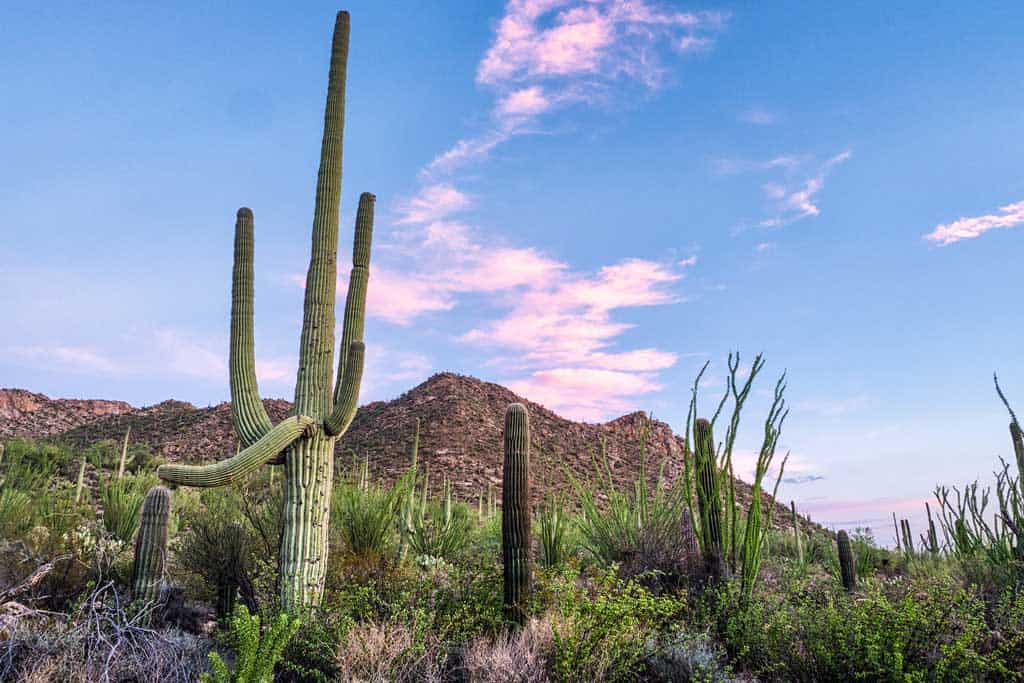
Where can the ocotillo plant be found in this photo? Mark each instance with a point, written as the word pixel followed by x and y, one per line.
pixel 1016 434
pixel 321 413
pixel 847 569
pixel 151 545
pixel 709 500
pixel 515 513
pixel 908 539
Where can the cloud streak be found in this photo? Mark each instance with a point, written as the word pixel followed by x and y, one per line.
pixel 1009 216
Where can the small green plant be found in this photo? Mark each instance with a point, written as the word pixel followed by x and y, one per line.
pixel 121 502
pixel 256 652
pixel 553 524
pixel 364 514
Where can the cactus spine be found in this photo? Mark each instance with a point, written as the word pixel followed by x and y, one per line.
pixel 515 513
pixel 709 500
pixel 847 569
pixel 324 406
pixel 151 545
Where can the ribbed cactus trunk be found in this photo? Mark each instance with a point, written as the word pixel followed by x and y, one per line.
pixel 323 409
pixel 1018 447
pixel 515 513
pixel 847 569
pixel 709 500
pixel 151 545
pixel 796 534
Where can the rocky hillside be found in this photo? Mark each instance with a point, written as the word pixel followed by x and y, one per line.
pixel 23 413
pixel 460 435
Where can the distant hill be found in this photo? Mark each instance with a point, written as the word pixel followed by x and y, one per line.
pixel 460 435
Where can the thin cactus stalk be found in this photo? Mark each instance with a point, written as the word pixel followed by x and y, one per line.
pixel 796 534
pixel 515 513
pixel 709 500
pixel 908 539
pixel 324 404
pixel 406 526
pixel 81 482
pixel 2 449
pixel 899 545
pixel 151 545
pixel 124 453
pixel 933 537
pixel 847 568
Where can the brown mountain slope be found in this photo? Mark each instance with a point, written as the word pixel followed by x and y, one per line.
pixel 23 413
pixel 460 437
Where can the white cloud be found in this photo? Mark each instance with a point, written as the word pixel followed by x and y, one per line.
pixel 1009 216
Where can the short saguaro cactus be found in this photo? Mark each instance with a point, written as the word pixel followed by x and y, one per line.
pixel 515 513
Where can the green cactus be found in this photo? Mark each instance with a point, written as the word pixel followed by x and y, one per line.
pixel 796 534
pixel 151 545
pixel 908 539
pixel 933 537
pixel 322 412
pixel 81 482
pixel 847 569
pixel 515 513
pixel 709 500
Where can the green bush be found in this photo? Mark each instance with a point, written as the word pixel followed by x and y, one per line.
pixel 924 629
pixel 365 517
pixel 121 502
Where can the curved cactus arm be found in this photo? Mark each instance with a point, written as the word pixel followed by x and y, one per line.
pixel 248 460
pixel 247 411
pixel 355 300
pixel 345 408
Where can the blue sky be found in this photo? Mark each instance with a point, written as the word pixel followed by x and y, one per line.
pixel 580 199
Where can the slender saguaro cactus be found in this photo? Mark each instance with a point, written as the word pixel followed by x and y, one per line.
pixel 933 537
pixel 515 513
pixel 847 569
pixel 151 545
pixel 796 534
pixel 709 500
pixel 81 482
pixel 322 410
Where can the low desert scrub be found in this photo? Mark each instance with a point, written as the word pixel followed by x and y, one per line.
pixel 522 656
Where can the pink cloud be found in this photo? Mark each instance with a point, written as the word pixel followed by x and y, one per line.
pixel 1009 216
pixel 433 202
pixel 584 393
pixel 549 54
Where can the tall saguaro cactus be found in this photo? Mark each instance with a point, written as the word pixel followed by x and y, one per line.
pixel 151 545
pixel 322 410
pixel 515 513
pixel 709 499
pixel 847 569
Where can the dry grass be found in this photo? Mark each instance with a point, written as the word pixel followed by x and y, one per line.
pixel 520 657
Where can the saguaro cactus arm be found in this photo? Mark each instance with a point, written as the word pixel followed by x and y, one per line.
pixel 355 299
pixel 248 460
pixel 313 386
pixel 345 408
pixel 247 411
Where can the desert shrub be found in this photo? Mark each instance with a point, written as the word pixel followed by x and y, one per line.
pixel 552 530
pixel 601 634
pixel 930 629
pixel 683 656
pixel 99 641
pixel 522 655
pixel 17 513
pixel 217 548
pixel 103 454
pixel 440 531
pixel 257 650
pixel 121 502
pixel 364 515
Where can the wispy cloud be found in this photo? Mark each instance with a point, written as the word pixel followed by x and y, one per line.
pixel 758 117
pixel 550 54
pixel 1009 216
pixel 78 359
pixel 792 192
